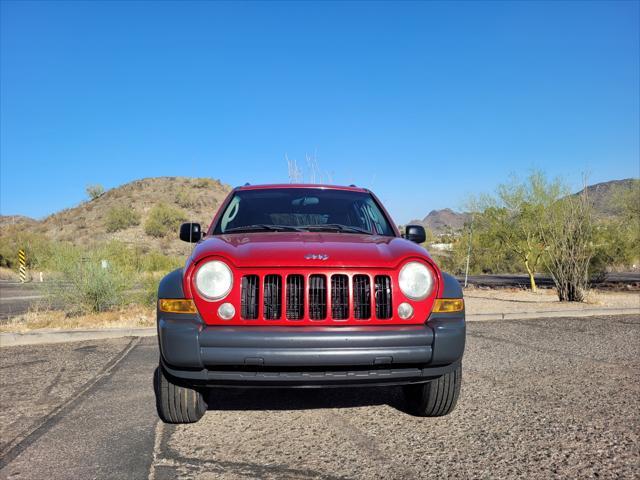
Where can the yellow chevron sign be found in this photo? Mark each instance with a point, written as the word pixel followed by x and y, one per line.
pixel 22 259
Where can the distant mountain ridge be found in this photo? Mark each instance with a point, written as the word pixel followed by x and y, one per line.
pixel 444 221
pixel 198 199
pixel 600 194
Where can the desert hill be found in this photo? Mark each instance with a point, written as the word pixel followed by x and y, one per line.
pixel 195 199
pixel 603 195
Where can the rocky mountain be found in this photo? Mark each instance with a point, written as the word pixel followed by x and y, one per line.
pixel 444 221
pixel 603 195
pixel 195 199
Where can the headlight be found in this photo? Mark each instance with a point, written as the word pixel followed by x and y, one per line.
pixel 214 280
pixel 416 280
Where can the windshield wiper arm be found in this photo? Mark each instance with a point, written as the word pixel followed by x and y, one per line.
pixel 263 227
pixel 337 227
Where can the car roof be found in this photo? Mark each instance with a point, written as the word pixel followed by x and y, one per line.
pixel 319 186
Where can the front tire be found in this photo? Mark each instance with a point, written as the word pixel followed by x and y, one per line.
pixel 176 403
pixel 435 398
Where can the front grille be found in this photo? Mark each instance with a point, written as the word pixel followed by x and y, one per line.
pixel 295 297
pixel 361 297
pixel 317 297
pixel 272 297
pixel 338 297
pixel 383 296
pixel 249 297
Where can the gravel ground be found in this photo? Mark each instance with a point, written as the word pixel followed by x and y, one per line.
pixel 540 398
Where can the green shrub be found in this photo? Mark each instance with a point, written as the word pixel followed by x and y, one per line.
pixel 13 240
pixel 95 191
pixel 203 182
pixel 163 220
pixel 119 218
pixel 41 252
pixel 185 198
pixel 87 287
pixel 126 258
pixel 59 257
pixel 158 262
pixel 148 295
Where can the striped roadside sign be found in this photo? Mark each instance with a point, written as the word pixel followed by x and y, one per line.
pixel 22 259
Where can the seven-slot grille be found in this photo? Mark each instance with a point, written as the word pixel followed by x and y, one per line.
pixel 336 297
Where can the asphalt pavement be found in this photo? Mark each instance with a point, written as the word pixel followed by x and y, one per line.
pixel 16 298
pixel 540 398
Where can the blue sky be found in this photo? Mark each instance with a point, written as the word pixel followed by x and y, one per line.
pixel 425 103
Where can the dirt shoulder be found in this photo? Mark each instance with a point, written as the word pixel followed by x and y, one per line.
pixel 486 301
pixel 51 320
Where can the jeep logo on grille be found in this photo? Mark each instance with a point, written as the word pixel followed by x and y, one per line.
pixel 316 256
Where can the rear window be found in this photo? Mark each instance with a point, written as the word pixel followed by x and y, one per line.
pixel 357 212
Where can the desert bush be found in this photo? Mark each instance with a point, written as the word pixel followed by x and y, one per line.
pixel 119 218
pixel 203 182
pixel 155 261
pixel 163 220
pixel 94 191
pixel 185 198
pixel 10 242
pixel 148 295
pixel 126 258
pixel 134 260
pixel 568 233
pixel 87 287
pixel 59 256
pixel 487 254
pixel 41 253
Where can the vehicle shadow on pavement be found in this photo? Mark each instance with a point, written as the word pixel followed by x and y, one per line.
pixel 304 399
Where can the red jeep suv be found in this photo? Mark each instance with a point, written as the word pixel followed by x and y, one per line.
pixel 307 286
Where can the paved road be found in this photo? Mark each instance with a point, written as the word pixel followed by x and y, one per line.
pixel 541 399
pixel 17 298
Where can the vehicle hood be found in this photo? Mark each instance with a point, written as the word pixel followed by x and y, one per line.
pixel 289 249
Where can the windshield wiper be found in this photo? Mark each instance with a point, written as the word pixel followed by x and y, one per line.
pixel 263 227
pixel 337 227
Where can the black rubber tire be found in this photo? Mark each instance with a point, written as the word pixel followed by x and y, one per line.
pixel 435 398
pixel 177 403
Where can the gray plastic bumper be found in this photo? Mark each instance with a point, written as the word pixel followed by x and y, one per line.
pixel 308 356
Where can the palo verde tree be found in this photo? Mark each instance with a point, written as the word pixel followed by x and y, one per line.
pixel 568 234
pixel 510 221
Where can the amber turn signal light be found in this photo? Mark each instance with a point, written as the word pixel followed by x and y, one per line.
pixel 448 305
pixel 177 305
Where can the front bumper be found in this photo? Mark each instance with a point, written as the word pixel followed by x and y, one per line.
pixel 309 356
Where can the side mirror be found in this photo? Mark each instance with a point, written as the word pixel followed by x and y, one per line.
pixel 190 232
pixel 415 233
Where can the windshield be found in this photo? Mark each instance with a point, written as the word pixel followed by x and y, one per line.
pixel 303 209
